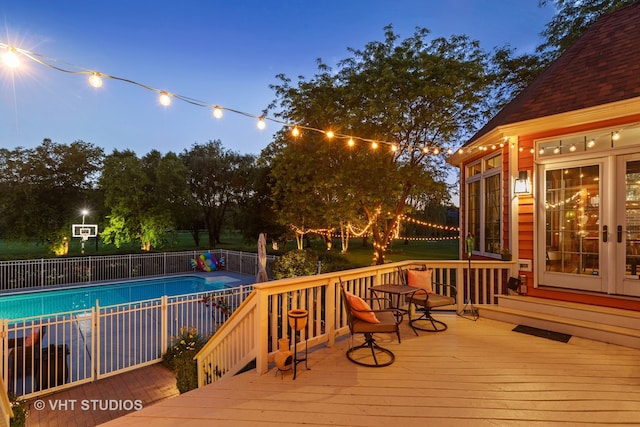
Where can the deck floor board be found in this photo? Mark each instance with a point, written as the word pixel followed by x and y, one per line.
pixel 474 374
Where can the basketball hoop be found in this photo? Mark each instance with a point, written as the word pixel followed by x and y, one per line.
pixel 85 233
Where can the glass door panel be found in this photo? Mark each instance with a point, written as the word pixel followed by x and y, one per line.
pixel 572 206
pixel 572 227
pixel 628 234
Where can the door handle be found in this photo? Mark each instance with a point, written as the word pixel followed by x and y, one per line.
pixel 619 234
pixel 605 231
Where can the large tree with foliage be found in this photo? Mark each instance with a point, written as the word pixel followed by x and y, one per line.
pixel 218 178
pixel 416 98
pixel 44 189
pixel 142 196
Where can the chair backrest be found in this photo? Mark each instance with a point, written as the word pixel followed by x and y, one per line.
pixel 346 305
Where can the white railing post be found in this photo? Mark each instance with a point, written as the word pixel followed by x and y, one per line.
pixel 164 324
pixel 262 322
pixel 98 349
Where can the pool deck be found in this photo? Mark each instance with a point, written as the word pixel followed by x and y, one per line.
pixel 149 385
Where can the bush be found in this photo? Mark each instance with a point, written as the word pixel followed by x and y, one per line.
pixel 20 413
pixel 179 358
pixel 305 263
pixel 295 263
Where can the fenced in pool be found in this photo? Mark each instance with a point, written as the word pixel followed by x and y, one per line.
pixel 57 338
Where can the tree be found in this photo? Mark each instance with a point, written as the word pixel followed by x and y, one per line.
pixel 143 197
pixel 572 19
pixel 218 179
pixel 415 97
pixel 44 189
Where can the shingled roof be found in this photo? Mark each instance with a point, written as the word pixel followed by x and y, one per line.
pixel 603 66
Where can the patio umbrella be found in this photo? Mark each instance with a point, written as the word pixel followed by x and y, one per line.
pixel 262 259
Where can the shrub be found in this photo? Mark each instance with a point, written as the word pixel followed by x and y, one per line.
pixel 295 263
pixel 179 358
pixel 20 413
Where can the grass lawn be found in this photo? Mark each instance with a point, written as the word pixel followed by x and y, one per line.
pixel 357 256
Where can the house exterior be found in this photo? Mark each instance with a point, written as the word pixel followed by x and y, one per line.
pixel 574 136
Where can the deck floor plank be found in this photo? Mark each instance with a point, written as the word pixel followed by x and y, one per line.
pixel 474 374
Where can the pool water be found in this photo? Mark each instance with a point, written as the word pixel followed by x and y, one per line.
pixel 46 302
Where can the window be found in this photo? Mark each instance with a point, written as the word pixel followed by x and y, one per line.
pixel 484 204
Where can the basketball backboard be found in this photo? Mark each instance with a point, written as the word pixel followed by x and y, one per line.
pixel 84 231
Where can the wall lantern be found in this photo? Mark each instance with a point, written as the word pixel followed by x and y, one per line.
pixel 522 185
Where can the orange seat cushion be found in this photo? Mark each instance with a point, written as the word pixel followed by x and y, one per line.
pixel 421 279
pixel 357 303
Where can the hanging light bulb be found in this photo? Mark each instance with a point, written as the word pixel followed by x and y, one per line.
pixel 461 151
pixel 615 136
pixel 351 142
pixel 591 143
pixel 261 124
pixel 329 134
pixel 95 80
pixel 436 150
pixel 573 148
pixel 10 58
pixel 295 132
pixel 541 151
pixel 394 147
pixel 450 151
pixel 165 99
pixel 217 112
pixel 374 145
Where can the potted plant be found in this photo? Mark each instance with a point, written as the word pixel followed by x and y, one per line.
pixel 506 254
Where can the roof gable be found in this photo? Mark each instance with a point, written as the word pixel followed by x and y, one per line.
pixel 603 66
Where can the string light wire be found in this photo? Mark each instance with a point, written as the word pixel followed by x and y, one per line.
pixel 96 77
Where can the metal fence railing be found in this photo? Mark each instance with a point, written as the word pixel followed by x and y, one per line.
pixel 48 353
pixel 25 274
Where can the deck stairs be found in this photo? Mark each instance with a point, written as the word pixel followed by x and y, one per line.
pixel 610 325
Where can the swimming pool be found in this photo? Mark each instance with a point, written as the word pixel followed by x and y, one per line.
pixel 51 301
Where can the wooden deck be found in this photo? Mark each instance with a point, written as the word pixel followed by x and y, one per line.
pixel 474 374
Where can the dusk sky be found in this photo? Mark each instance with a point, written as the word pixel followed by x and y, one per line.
pixel 222 52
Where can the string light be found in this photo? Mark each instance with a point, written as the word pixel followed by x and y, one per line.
pixel 261 123
pixel 295 132
pixel 164 98
pixel 10 57
pixel 95 80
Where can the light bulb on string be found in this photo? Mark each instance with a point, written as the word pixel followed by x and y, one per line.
pixel 394 147
pixel 10 58
pixel 95 80
pixel 615 136
pixel 374 145
pixel 261 124
pixel 165 99
pixel 217 112
pixel 295 132
pixel 436 151
pixel 329 134
pixel 351 142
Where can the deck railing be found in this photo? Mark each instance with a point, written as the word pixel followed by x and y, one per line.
pixel 253 331
pixel 25 274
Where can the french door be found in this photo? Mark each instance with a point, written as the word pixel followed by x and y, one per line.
pixel 591 230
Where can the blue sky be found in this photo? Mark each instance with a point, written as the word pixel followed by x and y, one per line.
pixel 220 52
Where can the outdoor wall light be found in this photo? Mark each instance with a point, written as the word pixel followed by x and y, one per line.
pixel 522 185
